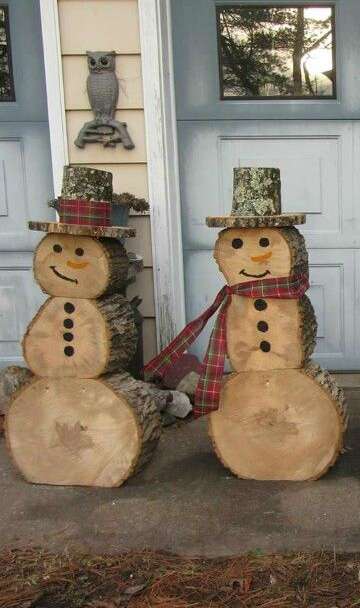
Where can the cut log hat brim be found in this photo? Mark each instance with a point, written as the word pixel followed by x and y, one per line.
pixel 86 193
pixel 256 221
pixel 256 202
pixel 113 232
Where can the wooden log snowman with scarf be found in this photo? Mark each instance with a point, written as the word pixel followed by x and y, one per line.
pixel 277 416
pixel 83 420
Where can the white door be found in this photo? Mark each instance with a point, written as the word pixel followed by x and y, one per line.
pixel 25 169
pixel 316 144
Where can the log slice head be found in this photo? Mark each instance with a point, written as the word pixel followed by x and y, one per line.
pixel 250 254
pixel 79 266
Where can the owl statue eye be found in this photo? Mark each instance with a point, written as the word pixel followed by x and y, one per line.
pixel 92 62
pixel 79 251
pixel 104 61
pixel 57 248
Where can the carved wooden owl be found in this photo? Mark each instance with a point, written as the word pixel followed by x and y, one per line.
pixel 102 84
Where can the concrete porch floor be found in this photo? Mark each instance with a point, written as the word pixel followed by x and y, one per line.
pixel 185 502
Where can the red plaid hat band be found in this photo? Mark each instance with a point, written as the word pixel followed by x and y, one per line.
pixel 83 212
pixel 207 394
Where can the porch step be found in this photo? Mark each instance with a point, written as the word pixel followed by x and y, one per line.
pixel 348 381
pixel 351 384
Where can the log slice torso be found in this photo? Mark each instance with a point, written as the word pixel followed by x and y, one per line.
pixel 269 333
pixel 78 337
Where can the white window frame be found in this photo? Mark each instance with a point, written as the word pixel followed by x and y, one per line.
pixel 163 165
pixel 161 144
pixel 54 89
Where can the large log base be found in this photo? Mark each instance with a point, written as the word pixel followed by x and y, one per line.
pixel 83 431
pixel 280 424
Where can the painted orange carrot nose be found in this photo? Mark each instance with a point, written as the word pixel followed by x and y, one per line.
pixel 77 265
pixel 261 258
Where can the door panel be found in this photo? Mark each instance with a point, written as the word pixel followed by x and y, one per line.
pixel 317 167
pixel 319 158
pixel 27 62
pixel 332 295
pixel 310 168
pixel 25 182
pixel 18 303
pixel 317 163
pixel 197 69
pixel 25 178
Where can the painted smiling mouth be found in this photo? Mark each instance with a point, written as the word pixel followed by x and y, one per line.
pixel 61 276
pixel 255 276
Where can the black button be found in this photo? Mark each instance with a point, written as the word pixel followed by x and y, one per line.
pixel 69 351
pixel 262 326
pixel 260 304
pixel 68 323
pixel 265 346
pixel 69 308
pixel 68 337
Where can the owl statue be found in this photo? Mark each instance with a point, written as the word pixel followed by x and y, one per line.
pixel 102 84
pixel 103 91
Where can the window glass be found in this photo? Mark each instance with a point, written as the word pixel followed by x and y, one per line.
pixel 7 92
pixel 276 52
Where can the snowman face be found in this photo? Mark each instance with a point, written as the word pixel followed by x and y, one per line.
pixel 250 254
pixel 74 266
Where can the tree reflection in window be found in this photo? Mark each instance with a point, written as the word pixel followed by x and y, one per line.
pixel 276 51
pixel 7 92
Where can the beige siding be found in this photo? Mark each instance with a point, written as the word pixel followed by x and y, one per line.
pixel 99 25
pixel 128 178
pixel 149 335
pixel 143 286
pixel 103 25
pixel 142 242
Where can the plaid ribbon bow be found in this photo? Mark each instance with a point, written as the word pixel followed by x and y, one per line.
pixel 81 211
pixel 207 392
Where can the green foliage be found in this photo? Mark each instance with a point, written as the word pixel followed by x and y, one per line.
pixel 5 75
pixel 262 49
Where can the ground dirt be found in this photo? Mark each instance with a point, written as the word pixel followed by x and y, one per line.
pixel 36 579
pixel 298 543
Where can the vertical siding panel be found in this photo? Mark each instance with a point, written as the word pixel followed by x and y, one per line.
pixel 111 25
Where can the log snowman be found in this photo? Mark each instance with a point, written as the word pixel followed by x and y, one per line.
pixel 277 416
pixel 83 420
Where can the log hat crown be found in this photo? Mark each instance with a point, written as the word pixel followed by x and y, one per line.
pixel 84 206
pixel 256 201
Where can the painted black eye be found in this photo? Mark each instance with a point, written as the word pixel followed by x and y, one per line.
pixel 92 62
pixel 57 248
pixel 237 243
pixel 264 242
pixel 79 251
pixel 104 61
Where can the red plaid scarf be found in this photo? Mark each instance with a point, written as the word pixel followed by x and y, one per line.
pixel 207 392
